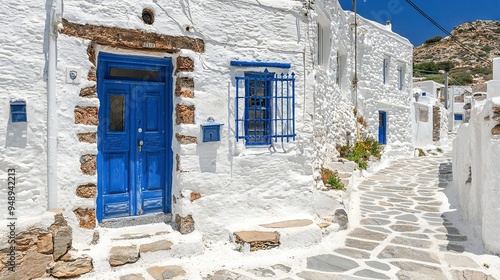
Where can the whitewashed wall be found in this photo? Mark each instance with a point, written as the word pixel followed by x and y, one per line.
pixel 22 76
pixel 237 184
pixel 334 121
pixel 476 157
pixel 476 148
pixel 375 43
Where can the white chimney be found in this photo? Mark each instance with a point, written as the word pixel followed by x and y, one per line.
pixel 388 25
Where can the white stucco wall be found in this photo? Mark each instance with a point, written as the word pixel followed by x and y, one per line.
pixel 375 44
pixel 476 148
pixel 22 76
pixel 429 87
pixel 476 157
pixel 237 183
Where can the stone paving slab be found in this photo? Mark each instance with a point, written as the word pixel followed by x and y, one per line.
pixel 330 263
pixel 289 224
pixel 397 252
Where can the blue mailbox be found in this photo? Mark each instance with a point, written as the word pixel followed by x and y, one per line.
pixel 18 111
pixel 211 130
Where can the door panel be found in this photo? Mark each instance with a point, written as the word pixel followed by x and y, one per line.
pixel 152 118
pixel 134 139
pixel 382 128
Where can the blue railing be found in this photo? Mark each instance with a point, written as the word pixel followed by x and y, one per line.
pixel 265 107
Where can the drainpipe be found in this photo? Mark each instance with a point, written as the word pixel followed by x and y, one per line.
pixel 52 109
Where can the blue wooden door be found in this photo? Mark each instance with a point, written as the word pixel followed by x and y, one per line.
pixel 382 127
pixel 134 158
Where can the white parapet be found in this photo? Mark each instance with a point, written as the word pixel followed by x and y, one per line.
pixel 494 88
pixel 496 69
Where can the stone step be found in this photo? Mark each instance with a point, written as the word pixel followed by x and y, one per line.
pixel 128 245
pixel 258 240
pixel 284 234
pixel 137 220
pixel 341 166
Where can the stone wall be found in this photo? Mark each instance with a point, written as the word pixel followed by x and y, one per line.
pixel 436 124
pixel 43 252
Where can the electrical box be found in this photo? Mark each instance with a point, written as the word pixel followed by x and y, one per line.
pixel 18 111
pixel 211 130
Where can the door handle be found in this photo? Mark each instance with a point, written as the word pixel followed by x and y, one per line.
pixel 139 144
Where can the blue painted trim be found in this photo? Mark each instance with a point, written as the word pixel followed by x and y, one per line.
pixel 260 64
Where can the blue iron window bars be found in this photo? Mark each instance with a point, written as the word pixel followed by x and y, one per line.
pixel 266 109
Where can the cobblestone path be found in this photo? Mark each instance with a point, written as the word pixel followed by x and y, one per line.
pixel 404 232
pixel 404 228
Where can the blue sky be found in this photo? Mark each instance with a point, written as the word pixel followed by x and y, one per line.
pixel 412 25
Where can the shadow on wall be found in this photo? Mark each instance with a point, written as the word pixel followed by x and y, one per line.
pixel 207 154
pixel 17 134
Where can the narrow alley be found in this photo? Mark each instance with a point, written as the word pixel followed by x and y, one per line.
pixel 408 230
pixel 406 227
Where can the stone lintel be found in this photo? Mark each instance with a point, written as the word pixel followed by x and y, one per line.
pixel 131 38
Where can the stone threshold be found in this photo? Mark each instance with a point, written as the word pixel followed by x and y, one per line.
pixel 137 220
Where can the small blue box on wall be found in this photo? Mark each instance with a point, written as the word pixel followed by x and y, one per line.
pixel 18 111
pixel 211 131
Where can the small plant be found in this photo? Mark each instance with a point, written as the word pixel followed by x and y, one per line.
pixel 439 150
pixel 361 152
pixel 421 152
pixel 331 179
pixel 361 121
pixel 433 40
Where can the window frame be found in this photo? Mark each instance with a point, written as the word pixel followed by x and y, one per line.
pixel 324 41
pixel 279 89
pixel 461 117
pixel 264 123
pixel 341 66
pixel 385 70
pixel 401 76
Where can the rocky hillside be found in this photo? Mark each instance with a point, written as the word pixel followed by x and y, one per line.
pixel 482 37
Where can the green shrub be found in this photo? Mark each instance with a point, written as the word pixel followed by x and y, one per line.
pixel 487 49
pixel 331 179
pixel 433 40
pixel 481 70
pixel 361 151
pixel 445 65
pixel 438 78
pixel 460 78
pixel 426 66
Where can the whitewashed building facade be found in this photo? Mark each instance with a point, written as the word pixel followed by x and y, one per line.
pixel 118 94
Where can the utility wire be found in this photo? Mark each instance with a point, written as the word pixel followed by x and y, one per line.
pixel 446 31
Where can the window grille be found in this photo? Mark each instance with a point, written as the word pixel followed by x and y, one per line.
pixel 265 107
